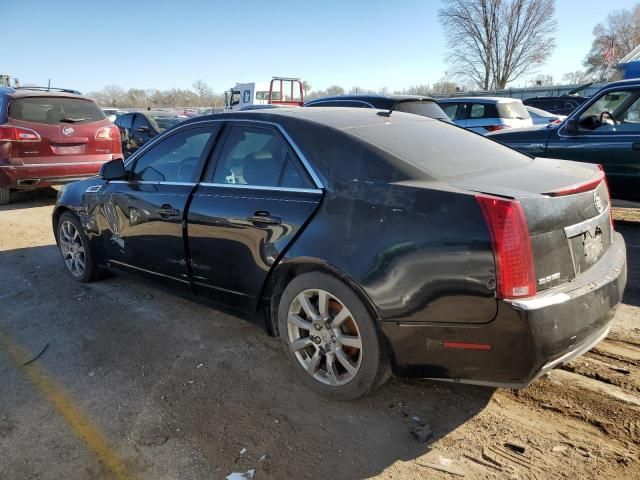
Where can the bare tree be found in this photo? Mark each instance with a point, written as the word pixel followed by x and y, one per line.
pixel 202 88
pixel 112 95
pixel 335 90
pixel 620 33
pixel 576 78
pixel 306 86
pixel 494 42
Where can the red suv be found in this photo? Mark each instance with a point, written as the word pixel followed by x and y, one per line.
pixel 50 137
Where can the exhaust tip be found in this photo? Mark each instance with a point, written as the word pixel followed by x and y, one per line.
pixel 28 182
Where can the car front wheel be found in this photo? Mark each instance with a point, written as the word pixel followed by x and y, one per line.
pixel 330 337
pixel 5 196
pixel 75 249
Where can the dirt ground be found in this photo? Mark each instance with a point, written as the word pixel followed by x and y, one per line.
pixel 135 382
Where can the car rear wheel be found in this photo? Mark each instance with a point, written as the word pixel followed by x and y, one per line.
pixel 75 249
pixel 330 337
pixel 5 196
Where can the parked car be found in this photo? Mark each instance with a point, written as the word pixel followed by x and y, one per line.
pixel 486 114
pixel 137 128
pixel 417 104
pixel 540 117
pixel 603 130
pixel 369 243
pixel 560 105
pixel 50 137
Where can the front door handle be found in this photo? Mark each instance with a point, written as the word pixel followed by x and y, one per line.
pixel 635 146
pixel 264 218
pixel 168 211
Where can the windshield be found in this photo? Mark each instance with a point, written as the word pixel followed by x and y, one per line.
pixel 426 109
pixel 264 95
pixel 54 110
pixel 513 110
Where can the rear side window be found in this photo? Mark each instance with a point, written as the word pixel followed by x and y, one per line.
pixel 513 110
pixel 55 110
pixel 450 109
pixel 477 110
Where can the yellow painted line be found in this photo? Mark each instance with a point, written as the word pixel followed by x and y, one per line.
pixel 64 404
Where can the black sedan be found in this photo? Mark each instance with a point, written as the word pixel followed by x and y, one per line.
pixel 137 128
pixel 370 243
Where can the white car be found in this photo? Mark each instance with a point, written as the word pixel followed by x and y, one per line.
pixel 112 113
pixel 542 117
pixel 486 114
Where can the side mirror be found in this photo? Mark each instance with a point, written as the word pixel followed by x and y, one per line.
pixel 143 128
pixel 572 126
pixel 113 170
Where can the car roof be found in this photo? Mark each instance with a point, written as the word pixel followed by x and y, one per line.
pixel 479 99
pixel 341 118
pixel 372 98
pixel 27 92
pixel 630 82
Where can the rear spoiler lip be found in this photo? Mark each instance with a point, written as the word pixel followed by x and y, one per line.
pixel 581 187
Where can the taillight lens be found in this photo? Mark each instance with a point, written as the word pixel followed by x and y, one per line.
pixel 9 133
pixel 515 272
pixel 606 184
pixel 107 133
pixel 495 128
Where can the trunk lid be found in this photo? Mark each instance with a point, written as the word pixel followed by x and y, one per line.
pixel 569 231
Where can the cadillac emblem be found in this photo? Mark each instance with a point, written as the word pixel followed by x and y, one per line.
pixel 597 202
pixel 68 131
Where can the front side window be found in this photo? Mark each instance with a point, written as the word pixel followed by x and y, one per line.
pixel 140 124
pixel 124 121
pixel 258 157
pixel 477 110
pixel 613 112
pixel 175 158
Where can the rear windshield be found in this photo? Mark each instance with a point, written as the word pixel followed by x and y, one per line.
pixel 441 150
pixel 426 109
pixel 54 110
pixel 512 110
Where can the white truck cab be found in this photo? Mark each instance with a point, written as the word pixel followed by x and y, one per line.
pixel 281 91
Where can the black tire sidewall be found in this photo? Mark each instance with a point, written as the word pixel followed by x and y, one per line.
pixel 91 269
pixel 373 365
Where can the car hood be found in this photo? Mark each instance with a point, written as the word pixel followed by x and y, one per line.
pixel 539 133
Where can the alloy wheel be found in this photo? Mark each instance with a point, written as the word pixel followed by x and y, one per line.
pixel 324 337
pixel 72 248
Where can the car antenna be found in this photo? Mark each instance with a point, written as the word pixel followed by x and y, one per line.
pixel 49 85
pixel 391 109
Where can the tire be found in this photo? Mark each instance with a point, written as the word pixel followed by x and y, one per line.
pixel 339 371
pixel 5 196
pixel 75 249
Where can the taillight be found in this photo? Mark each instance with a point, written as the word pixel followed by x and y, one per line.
pixel 515 272
pixel 9 133
pixel 107 133
pixel 495 128
pixel 606 184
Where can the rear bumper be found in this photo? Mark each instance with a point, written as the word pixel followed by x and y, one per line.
pixel 527 338
pixel 54 172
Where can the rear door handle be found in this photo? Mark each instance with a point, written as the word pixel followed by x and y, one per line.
pixel 264 218
pixel 168 211
pixel 635 146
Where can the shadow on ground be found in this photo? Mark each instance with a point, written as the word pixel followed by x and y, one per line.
pixel 31 198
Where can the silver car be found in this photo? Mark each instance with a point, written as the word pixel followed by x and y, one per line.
pixel 486 114
pixel 542 117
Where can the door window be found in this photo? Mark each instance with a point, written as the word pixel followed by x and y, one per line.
pixel 175 158
pixel 139 122
pixel 477 110
pixel 257 156
pixel 124 121
pixel 613 112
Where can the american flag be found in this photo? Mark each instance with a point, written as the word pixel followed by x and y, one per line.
pixel 610 52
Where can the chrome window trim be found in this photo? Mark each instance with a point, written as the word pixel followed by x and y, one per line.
pixel 320 102
pixel 581 227
pixel 154 182
pixel 261 187
pixel 305 163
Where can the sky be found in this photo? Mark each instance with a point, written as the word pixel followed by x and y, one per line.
pixel 163 44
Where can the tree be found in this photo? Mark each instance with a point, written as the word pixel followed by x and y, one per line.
pixel 576 78
pixel 112 95
pixel 620 31
pixel 306 86
pixel 202 89
pixel 335 90
pixel 494 42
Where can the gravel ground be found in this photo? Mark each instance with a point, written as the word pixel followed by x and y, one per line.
pixel 138 383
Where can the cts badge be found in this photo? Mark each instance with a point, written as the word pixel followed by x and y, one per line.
pixel 68 131
pixel 597 202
